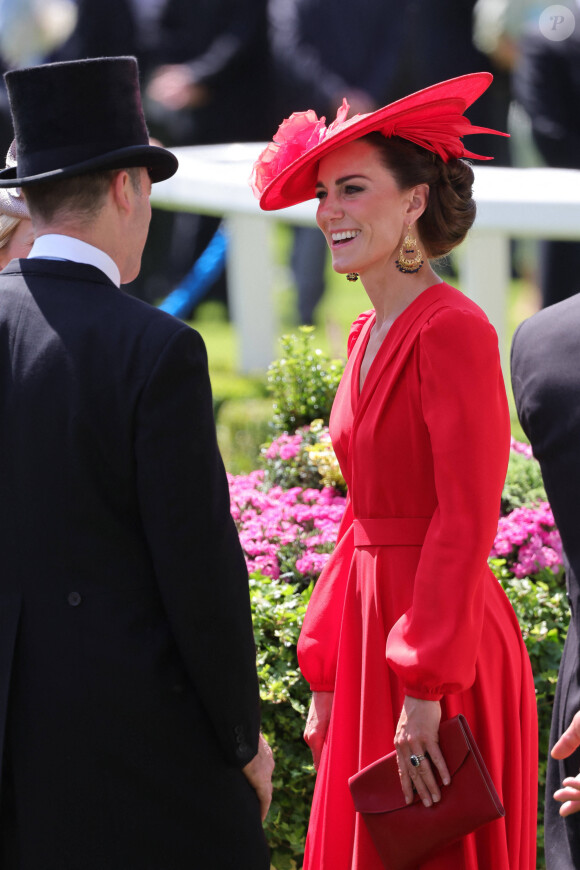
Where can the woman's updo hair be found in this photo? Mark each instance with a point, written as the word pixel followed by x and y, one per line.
pixel 450 210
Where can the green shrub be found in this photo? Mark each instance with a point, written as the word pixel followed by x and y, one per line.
pixel 302 382
pixel 523 483
pixel 305 459
pixel 543 613
pixel 278 610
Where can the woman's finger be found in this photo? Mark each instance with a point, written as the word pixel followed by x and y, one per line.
pixel 431 794
pixel 413 768
pixel 406 781
pixel 436 758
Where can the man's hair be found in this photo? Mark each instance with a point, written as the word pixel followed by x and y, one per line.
pixel 80 197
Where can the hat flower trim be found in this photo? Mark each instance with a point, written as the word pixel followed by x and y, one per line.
pixel 296 135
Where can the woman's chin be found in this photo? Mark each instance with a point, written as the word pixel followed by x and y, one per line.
pixel 341 269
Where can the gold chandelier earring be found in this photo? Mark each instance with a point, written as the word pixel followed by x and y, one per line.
pixel 410 257
pixel 352 276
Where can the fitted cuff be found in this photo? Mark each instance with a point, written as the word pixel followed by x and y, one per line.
pixel 423 694
pixel 322 687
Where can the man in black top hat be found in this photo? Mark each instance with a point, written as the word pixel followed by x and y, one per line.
pixel 129 708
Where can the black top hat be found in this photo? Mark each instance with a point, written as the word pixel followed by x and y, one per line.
pixel 80 116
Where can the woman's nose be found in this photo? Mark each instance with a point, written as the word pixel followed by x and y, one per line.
pixel 330 207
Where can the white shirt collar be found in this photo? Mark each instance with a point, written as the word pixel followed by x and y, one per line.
pixel 54 246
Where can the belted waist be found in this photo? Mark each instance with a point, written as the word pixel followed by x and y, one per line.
pixel 390 531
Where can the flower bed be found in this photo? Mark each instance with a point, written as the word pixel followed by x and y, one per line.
pixel 285 533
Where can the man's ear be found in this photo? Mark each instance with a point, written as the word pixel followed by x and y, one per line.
pixel 121 190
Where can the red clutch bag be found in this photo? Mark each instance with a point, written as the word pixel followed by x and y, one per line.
pixel 405 835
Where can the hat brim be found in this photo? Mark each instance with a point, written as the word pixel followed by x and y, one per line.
pixel 160 163
pixel 297 181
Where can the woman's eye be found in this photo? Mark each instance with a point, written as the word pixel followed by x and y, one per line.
pixel 352 188
pixel 320 194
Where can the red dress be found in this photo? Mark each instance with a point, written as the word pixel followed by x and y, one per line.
pixel 406 604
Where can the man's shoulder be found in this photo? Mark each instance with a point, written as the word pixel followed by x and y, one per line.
pixel 82 293
pixel 558 321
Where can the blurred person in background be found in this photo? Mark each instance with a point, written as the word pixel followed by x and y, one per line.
pixel 547 86
pixel 210 83
pixel 318 61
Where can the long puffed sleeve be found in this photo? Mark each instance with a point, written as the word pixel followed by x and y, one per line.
pixel 433 647
pixel 319 638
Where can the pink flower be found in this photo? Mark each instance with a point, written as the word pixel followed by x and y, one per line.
pixel 295 136
pixel 312 563
pixel 520 447
pixel 529 540
pixel 284 526
pixel 289 451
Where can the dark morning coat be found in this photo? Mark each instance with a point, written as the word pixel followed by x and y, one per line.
pixel 546 383
pixel 128 688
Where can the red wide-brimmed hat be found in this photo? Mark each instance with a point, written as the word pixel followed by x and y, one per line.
pixel 285 173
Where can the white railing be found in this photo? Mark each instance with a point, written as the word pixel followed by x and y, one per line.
pixel 511 203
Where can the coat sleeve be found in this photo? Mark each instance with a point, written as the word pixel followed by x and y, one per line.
pixel 433 647
pixel 194 546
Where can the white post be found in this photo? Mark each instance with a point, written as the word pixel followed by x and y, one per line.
pixel 484 267
pixel 250 287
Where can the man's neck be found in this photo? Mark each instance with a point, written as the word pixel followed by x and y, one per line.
pixel 61 246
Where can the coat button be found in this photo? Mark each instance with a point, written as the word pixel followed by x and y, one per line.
pixel 74 599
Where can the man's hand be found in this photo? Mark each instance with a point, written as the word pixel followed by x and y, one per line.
pixel 317 723
pixel 569 794
pixel 258 772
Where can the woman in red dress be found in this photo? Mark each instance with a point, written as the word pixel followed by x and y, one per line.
pixel 407 625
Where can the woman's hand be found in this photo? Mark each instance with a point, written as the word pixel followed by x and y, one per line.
pixel 418 735
pixel 317 723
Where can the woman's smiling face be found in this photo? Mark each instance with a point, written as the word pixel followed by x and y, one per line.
pixel 361 210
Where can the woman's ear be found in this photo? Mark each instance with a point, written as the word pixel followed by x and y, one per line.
pixel 418 199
